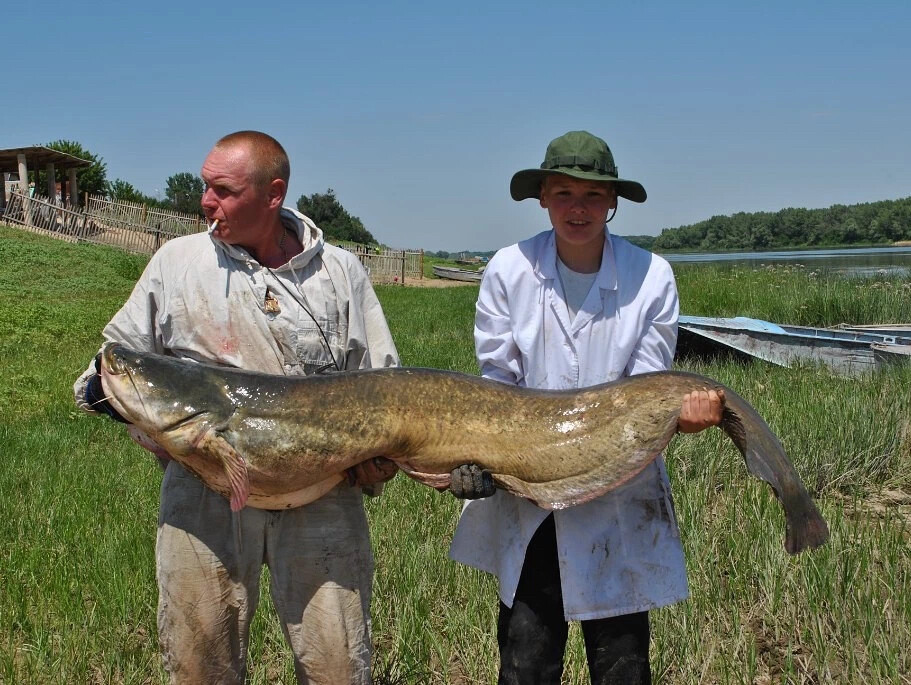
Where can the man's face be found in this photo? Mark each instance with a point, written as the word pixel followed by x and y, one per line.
pixel 578 209
pixel 241 206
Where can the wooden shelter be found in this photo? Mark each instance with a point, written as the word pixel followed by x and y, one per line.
pixel 19 159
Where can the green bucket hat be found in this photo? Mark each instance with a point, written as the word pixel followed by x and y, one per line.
pixel 578 154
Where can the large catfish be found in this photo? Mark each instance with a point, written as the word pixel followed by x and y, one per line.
pixel 280 441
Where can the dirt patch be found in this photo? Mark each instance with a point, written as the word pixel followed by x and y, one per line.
pixel 887 503
pixel 435 283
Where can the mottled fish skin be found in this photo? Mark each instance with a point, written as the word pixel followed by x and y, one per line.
pixel 295 436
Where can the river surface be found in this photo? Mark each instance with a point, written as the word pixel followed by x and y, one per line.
pixel 862 262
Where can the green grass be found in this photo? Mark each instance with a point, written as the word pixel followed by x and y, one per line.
pixel 78 502
pixel 793 294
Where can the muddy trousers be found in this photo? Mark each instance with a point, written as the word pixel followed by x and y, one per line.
pixel 321 569
pixel 532 634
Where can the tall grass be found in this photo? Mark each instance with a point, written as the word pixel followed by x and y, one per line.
pixel 78 502
pixel 792 294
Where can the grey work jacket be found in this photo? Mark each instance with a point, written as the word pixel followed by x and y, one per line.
pixel 205 300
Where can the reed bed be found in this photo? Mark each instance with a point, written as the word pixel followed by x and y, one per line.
pixel 78 502
pixel 793 294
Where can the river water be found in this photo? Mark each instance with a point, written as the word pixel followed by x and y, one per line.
pixel 863 262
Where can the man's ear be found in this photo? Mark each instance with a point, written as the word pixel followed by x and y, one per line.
pixel 277 190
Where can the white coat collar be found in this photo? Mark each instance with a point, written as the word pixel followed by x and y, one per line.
pixel 546 266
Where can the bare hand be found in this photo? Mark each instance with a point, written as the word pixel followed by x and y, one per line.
pixel 701 409
pixel 372 471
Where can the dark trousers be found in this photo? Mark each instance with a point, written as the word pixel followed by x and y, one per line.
pixel 532 634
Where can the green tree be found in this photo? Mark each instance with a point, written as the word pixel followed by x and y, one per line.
pixel 121 190
pixel 184 192
pixel 868 222
pixel 91 179
pixel 337 224
pixel 646 242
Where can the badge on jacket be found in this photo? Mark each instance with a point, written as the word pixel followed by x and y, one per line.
pixel 271 304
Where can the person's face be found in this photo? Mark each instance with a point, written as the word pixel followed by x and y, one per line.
pixel 242 207
pixel 578 209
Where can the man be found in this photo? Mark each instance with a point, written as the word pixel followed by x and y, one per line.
pixel 568 308
pixel 263 292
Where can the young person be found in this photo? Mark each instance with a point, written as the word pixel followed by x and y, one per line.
pixel 571 307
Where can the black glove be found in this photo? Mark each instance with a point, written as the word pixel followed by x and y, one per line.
pixel 95 397
pixel 470 481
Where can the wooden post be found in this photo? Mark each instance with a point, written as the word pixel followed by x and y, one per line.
pixel 23 186
pixel 74 191
pixel 51 183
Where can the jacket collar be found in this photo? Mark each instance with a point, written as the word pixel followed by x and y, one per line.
pixel 307 232
pixel 606 279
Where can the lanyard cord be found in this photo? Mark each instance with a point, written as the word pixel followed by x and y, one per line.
pixel 303 305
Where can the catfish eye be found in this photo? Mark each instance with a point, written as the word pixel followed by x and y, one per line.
pixel 111 361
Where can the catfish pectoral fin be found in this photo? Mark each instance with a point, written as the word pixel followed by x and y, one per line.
pixel 439 481
pixel 235 467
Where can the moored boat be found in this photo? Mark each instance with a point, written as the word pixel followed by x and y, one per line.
pixel 890 353
pixel 457 274
pixel 845 351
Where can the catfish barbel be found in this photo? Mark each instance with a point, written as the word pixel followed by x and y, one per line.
pixel 274 442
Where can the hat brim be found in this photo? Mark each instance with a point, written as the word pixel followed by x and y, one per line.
pixel 527 183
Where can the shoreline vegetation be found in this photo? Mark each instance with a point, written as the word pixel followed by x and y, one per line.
pixel 855 246
pixel 80 501
pixel 863 224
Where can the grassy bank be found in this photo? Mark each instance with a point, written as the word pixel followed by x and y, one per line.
pixel 78 502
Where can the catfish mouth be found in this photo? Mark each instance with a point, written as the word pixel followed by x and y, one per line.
pixel 123 376
pixel 118 375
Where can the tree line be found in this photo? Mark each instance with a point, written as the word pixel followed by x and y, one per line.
pixel 869 223
pixel 183 193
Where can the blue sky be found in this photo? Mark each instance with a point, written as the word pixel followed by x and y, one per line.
pixel 417 114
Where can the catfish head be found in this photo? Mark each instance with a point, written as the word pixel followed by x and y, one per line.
pixel 174 402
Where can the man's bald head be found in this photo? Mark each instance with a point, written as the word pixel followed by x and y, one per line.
pixel 270 161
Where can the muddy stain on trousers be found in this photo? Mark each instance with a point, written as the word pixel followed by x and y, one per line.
pixel 321 570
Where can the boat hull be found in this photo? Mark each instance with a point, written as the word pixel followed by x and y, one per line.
pixel 843 350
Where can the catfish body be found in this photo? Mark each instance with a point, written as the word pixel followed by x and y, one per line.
pixel 280 441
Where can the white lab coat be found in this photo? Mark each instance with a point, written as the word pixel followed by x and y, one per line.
pixel 620 553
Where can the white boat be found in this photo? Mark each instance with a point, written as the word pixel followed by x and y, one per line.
pixel 890 353
pixel 894 329
pixel 846 351
pixel 457 274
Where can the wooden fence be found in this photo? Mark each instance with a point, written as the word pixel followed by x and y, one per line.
pixel 137 228
pixel 93 224
pixel 137 214
pixel 386 265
